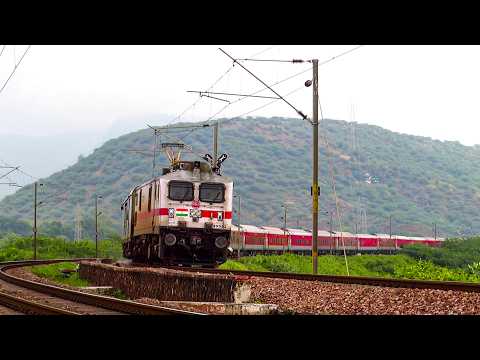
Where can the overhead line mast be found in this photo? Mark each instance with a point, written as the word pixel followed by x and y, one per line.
pixel 314 122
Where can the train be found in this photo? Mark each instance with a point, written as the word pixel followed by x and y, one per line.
pixel 251 240
pixel 182 217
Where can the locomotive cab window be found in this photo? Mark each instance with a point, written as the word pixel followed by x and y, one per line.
pixel 180 190
pixel 212 192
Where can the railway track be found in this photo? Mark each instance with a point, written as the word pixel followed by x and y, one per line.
pixel 61 297
pixel 342 279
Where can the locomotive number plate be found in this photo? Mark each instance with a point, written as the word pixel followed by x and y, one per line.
pixel 218 226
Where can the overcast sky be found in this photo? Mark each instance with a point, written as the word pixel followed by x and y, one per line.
pixel 422 90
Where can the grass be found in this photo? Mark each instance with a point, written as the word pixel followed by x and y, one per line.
pixel 395 266
pixel 53 272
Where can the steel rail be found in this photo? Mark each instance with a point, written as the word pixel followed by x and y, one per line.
pixel 31 307
pixel 343 279
pixel 124 306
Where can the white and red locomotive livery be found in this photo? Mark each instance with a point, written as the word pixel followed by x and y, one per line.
pixel 181 217
pixel 249 239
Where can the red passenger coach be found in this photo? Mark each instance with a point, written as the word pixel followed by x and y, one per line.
pixel 347 240
pixel 326 241
pixel 385 242
pixel 277 239
pixel 367 242
pixel 254 237
pixel 404 240
pixel 300 240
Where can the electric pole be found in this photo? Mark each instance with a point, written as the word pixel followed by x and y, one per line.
pixel 315 169
pixel 35 222
pixel 284 225
pixel 435 230
pixel 96 224
pixel 390 226
pixel 331 230
pixel 78 224
pixel 239 223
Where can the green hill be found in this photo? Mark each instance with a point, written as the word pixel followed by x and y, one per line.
pixel 416 180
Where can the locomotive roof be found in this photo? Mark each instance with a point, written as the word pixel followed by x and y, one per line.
pixel 205 176
pixel 186 173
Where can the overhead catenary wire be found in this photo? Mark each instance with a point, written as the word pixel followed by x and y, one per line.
pixel 263 51
pixel 5 175
pixel 260 90
pixel 265 84
pixel 3 48
pixel 302 72
pixel 14 69
pixel 200 98
pixel 267 104
pixel 19 170
pixel 288 78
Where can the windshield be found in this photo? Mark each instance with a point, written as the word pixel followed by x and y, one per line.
pixel 212 192
pixel 180 190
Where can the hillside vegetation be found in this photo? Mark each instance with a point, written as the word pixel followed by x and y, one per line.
pixel 416 180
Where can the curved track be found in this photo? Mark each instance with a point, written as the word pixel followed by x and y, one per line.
pixel 72 298
pixel 359 280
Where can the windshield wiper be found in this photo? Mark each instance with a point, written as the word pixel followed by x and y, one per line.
pixel 185 194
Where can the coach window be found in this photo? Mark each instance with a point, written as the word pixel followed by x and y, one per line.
pixel 212 192
pixel 180 190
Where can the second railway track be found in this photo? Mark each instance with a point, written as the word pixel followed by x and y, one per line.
pixel 42 299
pixel 343 279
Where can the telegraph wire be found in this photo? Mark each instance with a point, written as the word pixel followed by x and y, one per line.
pixel 14 69
pixel 3 48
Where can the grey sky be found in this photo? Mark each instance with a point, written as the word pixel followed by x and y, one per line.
pixel 422 90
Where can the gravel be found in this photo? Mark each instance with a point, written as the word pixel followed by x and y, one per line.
pixel 312 297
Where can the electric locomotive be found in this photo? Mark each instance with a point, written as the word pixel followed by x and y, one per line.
pixel 183 217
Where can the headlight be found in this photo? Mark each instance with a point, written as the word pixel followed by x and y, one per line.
pixel 170 239
pixel 221 242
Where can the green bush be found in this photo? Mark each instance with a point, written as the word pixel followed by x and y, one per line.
pixel 395 266
pixel 14 247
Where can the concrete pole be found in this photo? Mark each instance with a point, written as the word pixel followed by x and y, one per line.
pixel 315 169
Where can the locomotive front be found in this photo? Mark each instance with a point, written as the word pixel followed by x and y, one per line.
pixel 198 214
pixel 183 217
